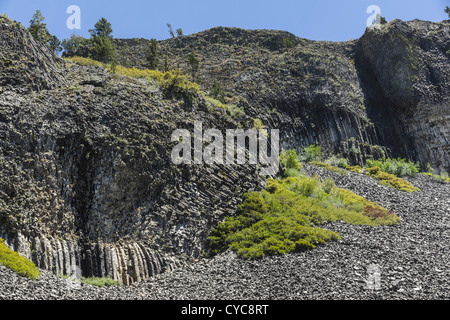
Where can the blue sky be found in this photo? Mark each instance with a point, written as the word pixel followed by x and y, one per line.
pixel 317 20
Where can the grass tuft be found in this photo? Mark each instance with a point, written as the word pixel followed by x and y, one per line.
pixel 100 282
pixel 328 167
pixel 397 167
pixel 17 263
pixel 172 83
pixel 287 215
pixel 391 180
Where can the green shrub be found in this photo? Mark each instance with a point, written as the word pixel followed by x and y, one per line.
pixel 328 185
pixel 232 109
pixel 258 125
pixel 391 180
pixel 173 83
pixel 289 161
pixel 337 161
pixel 292 173
pixel 285 218
pixel 312 153
pixel 328 167
pixel 357 169
pixel 398 167
pixel 17 263
pixel 288 43
pixel 100 282
pixel 441 177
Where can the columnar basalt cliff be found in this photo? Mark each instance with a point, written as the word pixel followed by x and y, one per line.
pixel 409 75
pixel 86 178
pixel 385 92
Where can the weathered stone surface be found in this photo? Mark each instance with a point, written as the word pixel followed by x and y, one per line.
pixel 26 66
pixel 388 90
pixel 412 257
pixel 86 179
pixel 408 88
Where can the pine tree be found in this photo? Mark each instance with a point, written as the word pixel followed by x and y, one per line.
pixel 172 34
pixel 102 46
pixel 55 44
pixel 153 54
pixel 102 29
pixel 217 92
pixel 194 63
pixel 180 32
pixel 38 28
pixel 102 49
pixel 40 33
pixel 447 10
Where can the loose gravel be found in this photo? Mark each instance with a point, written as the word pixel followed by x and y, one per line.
pixel 410 261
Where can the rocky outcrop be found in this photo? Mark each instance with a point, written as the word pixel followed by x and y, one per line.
pixel 408 89
pixel 126 262
pixel 309 90
pixel 386 92
pixel 86 174
pixel 25 64
pixel 86 178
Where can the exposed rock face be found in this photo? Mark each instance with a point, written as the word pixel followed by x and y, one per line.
pixel 387 92
pixel 25 64
pixel 126 262
pixel 309 90
pixel 408 90
pixel 86 178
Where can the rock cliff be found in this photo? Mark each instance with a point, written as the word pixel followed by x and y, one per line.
pixel 86 179
pixel 386 92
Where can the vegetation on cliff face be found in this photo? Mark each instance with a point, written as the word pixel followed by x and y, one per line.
pixel 388 171
pixel 39 31
pixel 173 83
pixel 391 180
pixel 17 263
pixel 102 168
pixel 287 215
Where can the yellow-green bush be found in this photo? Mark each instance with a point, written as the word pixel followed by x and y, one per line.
pixel 357 169
pixel 17 263
pixel 233 110
pixel 171 82
pixel 328 167
pixel 290 164
pixel 391 180
pixel 285 217
pixel 398 167
pixel 443 178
